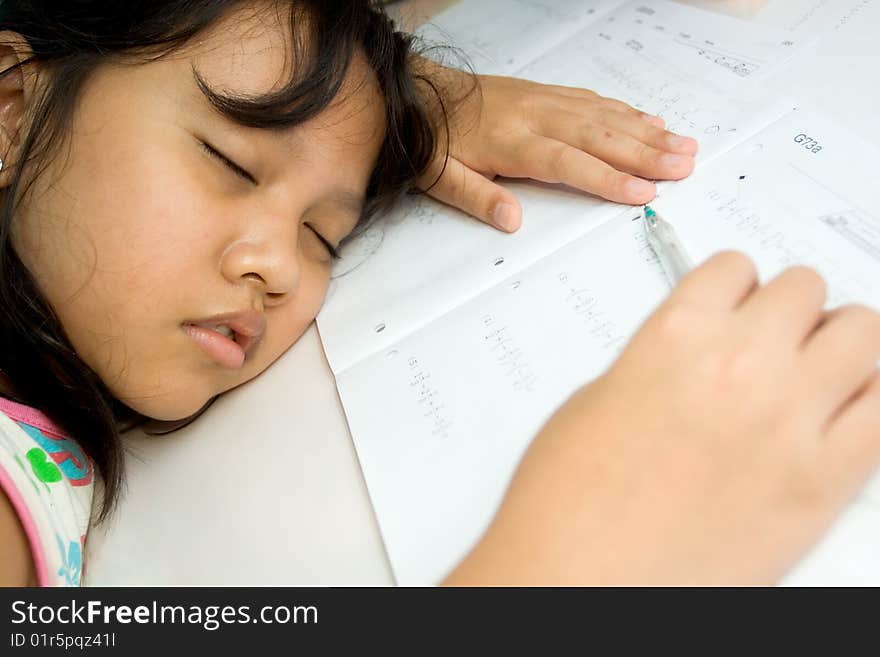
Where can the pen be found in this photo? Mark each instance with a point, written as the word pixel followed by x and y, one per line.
pixel 662 238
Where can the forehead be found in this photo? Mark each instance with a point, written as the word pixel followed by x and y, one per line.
pixel 249 51
pixel 261 47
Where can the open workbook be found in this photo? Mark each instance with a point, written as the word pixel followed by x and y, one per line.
pixel 452 343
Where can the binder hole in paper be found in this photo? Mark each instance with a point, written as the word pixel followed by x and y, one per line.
pixel 499 261
pixel 380 328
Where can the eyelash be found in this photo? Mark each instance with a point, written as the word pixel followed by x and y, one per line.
pixel 333 252
pixel 243 173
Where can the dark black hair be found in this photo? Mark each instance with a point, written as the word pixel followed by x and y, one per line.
pixel 69 40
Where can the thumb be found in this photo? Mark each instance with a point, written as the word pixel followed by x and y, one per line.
pixel 469 191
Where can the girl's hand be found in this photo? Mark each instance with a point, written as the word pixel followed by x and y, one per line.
pixel 521 129
pixel 717 449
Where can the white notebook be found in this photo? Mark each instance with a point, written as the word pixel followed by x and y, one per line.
pixel 453 343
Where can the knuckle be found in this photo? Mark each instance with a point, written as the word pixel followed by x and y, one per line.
pixel 734 261
pixel 860 313
pixel 603 114
pixel 456 185
pixel 807 481
pixel 734 369
pixel 806 279
pixel 613 183
pixel 591 135
pixel 730 365
pixel 648 156
pixel 675 322
pixel 556 160
pixel 863 318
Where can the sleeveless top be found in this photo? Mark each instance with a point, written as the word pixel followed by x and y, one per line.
pixel 49 482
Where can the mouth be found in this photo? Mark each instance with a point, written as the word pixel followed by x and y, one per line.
pixel 228 339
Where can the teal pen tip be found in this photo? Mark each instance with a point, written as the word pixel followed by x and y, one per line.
pixel 649 212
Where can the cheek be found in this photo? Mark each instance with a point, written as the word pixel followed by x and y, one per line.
pixel 106 267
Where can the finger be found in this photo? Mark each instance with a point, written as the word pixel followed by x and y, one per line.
pixel 473 193
pixel 650 134
pixel 842 355
pixel 579 94
pixel 789 307
pixel 619 116
pixel 852 447
pixel 612 103
pixel 554 161
pixel 628 110
pixel 570 92
pixel 619 149
pixel 723 282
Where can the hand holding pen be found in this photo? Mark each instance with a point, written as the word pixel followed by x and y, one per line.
pixel 729 433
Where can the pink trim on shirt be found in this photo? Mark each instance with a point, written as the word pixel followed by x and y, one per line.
pixel 27 522
pixel 29 415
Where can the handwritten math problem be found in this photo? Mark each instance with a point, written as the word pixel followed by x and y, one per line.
pixel 585 304
pixel 427 398
pixel 508 354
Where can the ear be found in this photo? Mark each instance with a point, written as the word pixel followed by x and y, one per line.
pixel 16 91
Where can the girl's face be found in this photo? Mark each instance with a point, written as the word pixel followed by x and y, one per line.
pixel 143 238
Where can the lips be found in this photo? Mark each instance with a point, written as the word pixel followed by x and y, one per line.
pixel 228 339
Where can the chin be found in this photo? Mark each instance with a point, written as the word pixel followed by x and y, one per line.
pixel 171 407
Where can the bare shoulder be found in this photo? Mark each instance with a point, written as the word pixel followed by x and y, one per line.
pixel 16 564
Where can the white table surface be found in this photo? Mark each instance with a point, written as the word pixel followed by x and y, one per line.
pixel 265 488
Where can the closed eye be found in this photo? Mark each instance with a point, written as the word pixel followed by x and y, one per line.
pixel 333 252
pixel 236 169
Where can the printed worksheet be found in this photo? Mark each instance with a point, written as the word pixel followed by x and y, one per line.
pixel 425 259
pixel 789 195
pixel 804 18
pixel 441 417
pixel 501 36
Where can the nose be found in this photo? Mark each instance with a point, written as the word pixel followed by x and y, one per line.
pixel 269 263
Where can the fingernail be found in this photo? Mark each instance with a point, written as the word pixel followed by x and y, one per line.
pixel 670 160
pixel 640 188
pixel 504 217
pixel 677 141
